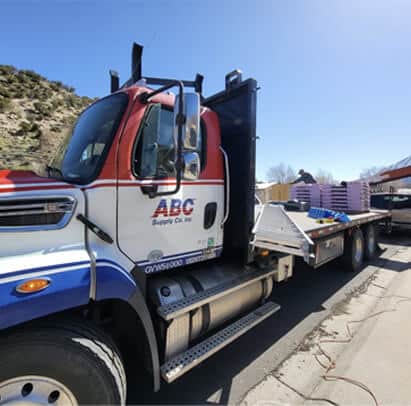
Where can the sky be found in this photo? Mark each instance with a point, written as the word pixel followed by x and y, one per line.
pixel 335 75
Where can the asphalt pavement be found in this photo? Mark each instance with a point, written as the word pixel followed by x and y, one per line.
pixel 306 300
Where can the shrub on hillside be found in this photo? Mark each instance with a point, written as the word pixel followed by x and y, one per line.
pixel 4 91
pixel 56 85
pixel 22 78
pixel 69 120
pixel 5 103
pixel 56 103
pixel 18 91
pixel 85 101
pixel 34 127
pixel 45 93
pixel 43 109
pixel 7 70
pixel 70 89
pixel 33 76
pixel 72 100
pixel 25 126
pixel 28 129
pixel 56 128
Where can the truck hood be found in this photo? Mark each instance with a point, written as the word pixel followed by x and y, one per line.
pixel 21 181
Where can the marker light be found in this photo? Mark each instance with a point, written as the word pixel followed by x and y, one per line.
pixel 33 285
pixel 265 253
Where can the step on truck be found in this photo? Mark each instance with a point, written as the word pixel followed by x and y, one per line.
pixel 141 248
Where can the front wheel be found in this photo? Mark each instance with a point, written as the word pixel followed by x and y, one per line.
pixel 354 250
pixel 60 365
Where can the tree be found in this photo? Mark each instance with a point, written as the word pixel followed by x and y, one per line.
pixel 370 172
pixel 281 173
pixel 324 177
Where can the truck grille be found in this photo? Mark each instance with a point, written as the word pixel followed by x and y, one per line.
pixel 35 214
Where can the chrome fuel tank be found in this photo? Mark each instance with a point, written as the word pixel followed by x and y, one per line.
pixel 192 324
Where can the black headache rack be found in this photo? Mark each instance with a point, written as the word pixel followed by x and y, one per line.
pixel 136 75
pixel 236 107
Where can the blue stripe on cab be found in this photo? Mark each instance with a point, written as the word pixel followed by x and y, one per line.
pixel 113 283
pixel 67 289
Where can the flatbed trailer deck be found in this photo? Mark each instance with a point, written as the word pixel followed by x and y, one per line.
pixel 317 230
pixel 294 233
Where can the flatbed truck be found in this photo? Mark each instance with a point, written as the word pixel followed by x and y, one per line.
pixel 143 249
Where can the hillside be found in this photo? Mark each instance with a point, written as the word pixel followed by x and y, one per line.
pixel 35 114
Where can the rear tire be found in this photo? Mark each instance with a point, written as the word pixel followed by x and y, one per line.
pixel 354 251
pixel 370 237
pixel 67 363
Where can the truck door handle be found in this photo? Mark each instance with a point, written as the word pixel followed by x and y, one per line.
pixel 95 229
pixel 210 212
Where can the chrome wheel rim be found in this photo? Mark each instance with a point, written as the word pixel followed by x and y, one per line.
pixel 358 250
pixel 35 390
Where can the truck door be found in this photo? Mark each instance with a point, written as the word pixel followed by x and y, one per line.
pixel 164 232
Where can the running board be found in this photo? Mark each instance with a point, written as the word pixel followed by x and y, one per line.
pixel 182 363
pixel 175 309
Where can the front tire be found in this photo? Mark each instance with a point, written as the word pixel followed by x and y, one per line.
pixel 354 251
pixel 60 365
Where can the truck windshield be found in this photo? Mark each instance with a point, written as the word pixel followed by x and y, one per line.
pixel 81 155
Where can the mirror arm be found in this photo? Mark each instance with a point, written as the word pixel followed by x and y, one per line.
pixel 150 190
pixel 197 83
pixel 180 121
pixel 145 97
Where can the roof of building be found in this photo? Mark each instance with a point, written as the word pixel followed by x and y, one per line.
pixel 400 164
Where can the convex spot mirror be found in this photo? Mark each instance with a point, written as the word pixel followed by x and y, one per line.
pixel 191 169
pixel 192 123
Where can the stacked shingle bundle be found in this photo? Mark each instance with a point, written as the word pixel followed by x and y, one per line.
pixel 359 196
pixel 334 197
pixel 354 197
pixel 307 193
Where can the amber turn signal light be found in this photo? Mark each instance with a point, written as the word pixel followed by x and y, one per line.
pixel 265 253
pixel 33 285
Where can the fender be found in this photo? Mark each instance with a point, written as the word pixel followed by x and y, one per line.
pixel 69 287
pixel 114 282
pixel 137 302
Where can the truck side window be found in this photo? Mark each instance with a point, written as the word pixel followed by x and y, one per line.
pixel 154 152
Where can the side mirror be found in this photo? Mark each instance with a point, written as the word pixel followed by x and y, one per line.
pixel 192 164
pixel 192 124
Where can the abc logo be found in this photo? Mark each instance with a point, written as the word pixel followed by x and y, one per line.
pixel 174 208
